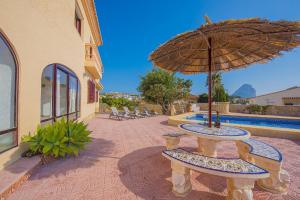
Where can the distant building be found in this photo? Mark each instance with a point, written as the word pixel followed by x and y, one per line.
pixel 238 100
pixel 290 96
pixel 193 98
pixel 131 97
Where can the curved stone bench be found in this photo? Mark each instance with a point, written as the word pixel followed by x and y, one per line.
pixel 269 158
pixel 240 174
pixel 173 139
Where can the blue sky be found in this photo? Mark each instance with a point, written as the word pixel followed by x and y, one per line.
pixel 132 29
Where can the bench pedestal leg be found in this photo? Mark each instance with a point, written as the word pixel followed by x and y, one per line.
pixel 172 142
pixel 243 150
pixel 240 189
pixel 180 179
pixel 207 147
pixel 278 181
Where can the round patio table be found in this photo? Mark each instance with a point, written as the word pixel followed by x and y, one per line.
pixel 208 138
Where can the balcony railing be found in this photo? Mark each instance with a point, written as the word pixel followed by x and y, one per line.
pixel 92 57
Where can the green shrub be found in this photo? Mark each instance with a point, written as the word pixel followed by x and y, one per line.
pixel 59 139
pixel 264 109
pixel 119 102
pixel 252 109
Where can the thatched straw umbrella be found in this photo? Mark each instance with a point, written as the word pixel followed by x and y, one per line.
pixel 226 45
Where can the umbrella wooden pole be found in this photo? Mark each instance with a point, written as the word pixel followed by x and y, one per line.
pixel 209 84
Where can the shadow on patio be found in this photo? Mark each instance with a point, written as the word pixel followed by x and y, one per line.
pixel 147 174
pixel 97 149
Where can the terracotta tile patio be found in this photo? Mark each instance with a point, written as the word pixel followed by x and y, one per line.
pixel 124 162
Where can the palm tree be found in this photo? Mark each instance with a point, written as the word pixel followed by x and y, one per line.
pixel 216 82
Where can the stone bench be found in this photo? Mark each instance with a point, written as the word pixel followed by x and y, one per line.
pixel 240 174
pixel 269 158
pixel 173 139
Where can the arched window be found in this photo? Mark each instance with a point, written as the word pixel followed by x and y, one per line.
pixel 8 99
pixel 60 96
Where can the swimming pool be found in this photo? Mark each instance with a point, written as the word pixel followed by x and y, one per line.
pixel 253 121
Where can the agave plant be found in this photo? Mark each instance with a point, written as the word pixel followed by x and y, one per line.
pixel 59 139
pixel 35 140
pixel 55 139
pixel 78 136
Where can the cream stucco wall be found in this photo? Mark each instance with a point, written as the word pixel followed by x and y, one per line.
pixel 276 97
pixel 42 32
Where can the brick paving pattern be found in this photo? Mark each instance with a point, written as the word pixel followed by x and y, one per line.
pixel 124 162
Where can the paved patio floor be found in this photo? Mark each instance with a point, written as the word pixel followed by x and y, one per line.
pixel 124 162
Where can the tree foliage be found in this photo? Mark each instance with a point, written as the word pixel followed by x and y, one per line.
pixel 220 95
pixel 163 88
pixel 203 98
pixel 119 102
pixel 217 88
pixel 216 82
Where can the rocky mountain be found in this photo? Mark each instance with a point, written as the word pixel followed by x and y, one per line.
pixel 245 91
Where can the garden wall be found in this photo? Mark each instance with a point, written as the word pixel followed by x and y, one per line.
pixel 271 110
pixel 151 107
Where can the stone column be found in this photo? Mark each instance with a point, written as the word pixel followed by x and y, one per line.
pixel 180 179
pixel 207 147
pixel 172 142
pixel 240 189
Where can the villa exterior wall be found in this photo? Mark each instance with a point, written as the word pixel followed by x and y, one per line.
pixel 42 33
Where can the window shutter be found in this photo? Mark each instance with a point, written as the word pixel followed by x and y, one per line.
pixel 97 97
pixel 91 91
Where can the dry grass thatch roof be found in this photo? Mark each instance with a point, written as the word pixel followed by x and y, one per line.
pixel 234 44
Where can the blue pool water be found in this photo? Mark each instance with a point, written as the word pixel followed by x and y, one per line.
pixel 255 121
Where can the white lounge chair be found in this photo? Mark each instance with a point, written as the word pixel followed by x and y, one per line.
pixel 147 113
pixel 115 114
pixel 138 113
pixel 128 113
pixel 151 113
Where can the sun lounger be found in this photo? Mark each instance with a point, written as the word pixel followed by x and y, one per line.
pixel 115 114
pixel 138 113
pixel 146 113
pixel 151 113
pixel 128 113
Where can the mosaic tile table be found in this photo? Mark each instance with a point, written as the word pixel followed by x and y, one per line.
pixel 208 138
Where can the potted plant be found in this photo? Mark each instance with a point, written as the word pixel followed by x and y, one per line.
pixel 218 121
